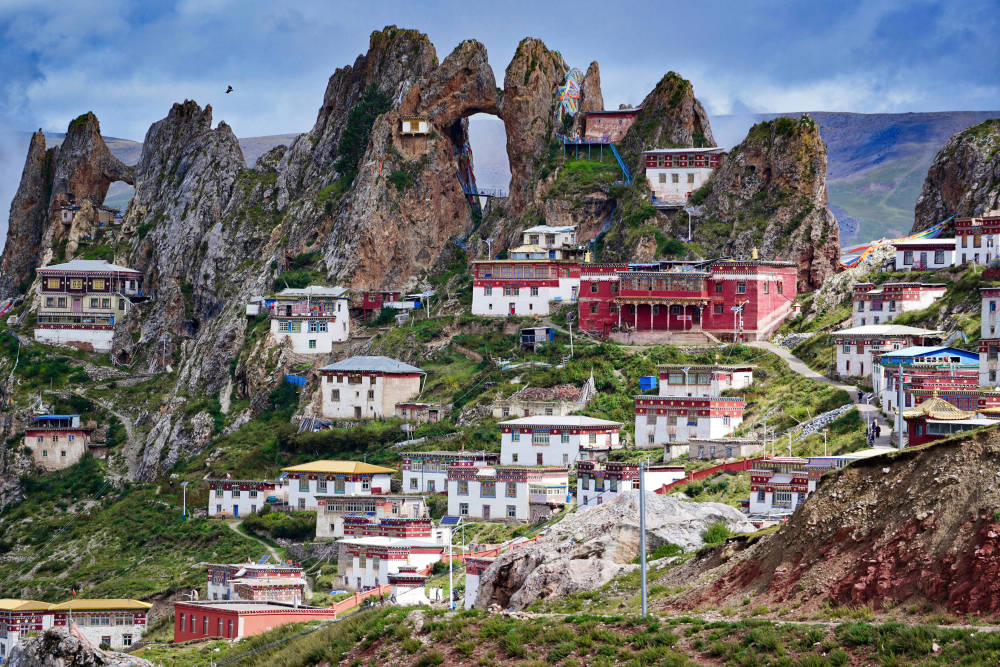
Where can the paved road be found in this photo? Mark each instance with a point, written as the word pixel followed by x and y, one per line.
pixel 868 412
pixel 235 526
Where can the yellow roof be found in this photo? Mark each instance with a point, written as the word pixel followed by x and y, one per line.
pixel 341 467
pixel 937 408
pixel 83 604
pixel 11 604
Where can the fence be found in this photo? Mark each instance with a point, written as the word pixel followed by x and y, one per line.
pixel 694 476
pixel 356 599
pixel 488 553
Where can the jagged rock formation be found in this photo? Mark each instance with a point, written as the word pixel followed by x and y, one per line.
pixel 591 97
pixel 964 178
pixel 586 550
pixel 770 194
pixel 670 117
pixel 55 648
pixel 28 212
pixel 83 167
pixel 917 527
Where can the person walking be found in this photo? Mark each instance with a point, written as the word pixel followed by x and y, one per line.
pixel 878 430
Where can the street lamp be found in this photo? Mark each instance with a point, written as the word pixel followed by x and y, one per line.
pixel 184 487
pixel 825 431
pixel 642 531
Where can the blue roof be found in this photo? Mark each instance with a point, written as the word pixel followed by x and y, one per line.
pixel 56 416
pixel 919 351
pixel 378 364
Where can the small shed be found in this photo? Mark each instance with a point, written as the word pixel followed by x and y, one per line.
pixel 414 125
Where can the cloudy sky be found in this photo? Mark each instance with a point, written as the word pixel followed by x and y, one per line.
pixel 128 61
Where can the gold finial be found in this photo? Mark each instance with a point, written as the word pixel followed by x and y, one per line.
pixel 754 254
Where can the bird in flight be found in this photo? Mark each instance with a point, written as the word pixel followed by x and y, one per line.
pixel 229 90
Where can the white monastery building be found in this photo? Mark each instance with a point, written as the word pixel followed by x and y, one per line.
pixel 878 305
pixel 506 493
pixel 924 254
pixel 367 387
pixel 308 481
pixel 675 173
pixel 858 348
pixel 312 318
pixel 58 441
pixel 668 420
pixel 366 562
pixel 335 514
pixel 523 287
pixel 556 441
pixel 712 380
pixel 599 482
pixel 241 497
pixel 275 582
pixel 427 472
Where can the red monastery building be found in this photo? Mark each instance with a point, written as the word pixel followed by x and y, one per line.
pixel 688 297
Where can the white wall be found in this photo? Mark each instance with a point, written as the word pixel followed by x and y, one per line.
pixel 221 501
pixel 305 498
pixel 706 428
pixel 498 505
pixel 555 452
pixel 498 305
pixel 100 339
pixel 336 331
pixel 58 454
pixel 590 497
pixel 947 259
pixel 116 632
pixel 372 576
pixel 867 316
pixel 679 190
pixel 425 482
pixel 986 253
pixel 375 396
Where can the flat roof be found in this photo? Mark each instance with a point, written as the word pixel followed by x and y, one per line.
pixel 571 420
pixel 666 151
pixel 85 604
pixel 88 265
pixel 372 363
pixel 382 541
pixel 920 350
pixel 314 290
pixel 339 467
pixel 250 605
pixel 546 229
pixel 950 241
pixel 692 367
pixel 56 416
pixel 613 111
pixel 885 330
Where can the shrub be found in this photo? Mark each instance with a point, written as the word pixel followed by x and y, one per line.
pixel 716 533
pixel 429 658
pixel 401 180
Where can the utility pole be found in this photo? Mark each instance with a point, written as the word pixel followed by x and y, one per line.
pixel 642 531
pixel 570 323
pixel 899 407
pixel 825 431
pixel 184 487
pixel 451 567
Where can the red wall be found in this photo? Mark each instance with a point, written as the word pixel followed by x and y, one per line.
pixel 254 622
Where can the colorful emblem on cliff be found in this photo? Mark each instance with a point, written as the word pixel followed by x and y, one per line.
pixel 569 94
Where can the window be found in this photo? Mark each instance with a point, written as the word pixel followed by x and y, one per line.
pixel 488 291
pixel 675 310
pixel 717 309
pixel 321 485
pixel 49 301
pixel 182 621
pixel 230 625
pixel 907 257
pixel 413 483
pixel 511 511
pixel 780 286
pixel 284 325
pixel 317 326
pixel 718 288
pixel 97 283
pixel 594 308
pixel 371 394
pixel 95 303
pixel 510 291
pixel 488 490
pixel 534 291
pixel 72 438
pixel 892 304
pixel 335 395
pixel 690 178
pixel 121 304
pixel 127 639
pixel 741 288
pixel 52 283
pixel 540 438
pixel 767 287
pixel 511 490
pixel 463 487
pixel 77 283
pixel 725 421
pixel 61 302
pixel 514 457
pixel 193 619
pixel 236 493
pixel 204 625
pixel 939 256
pixel 304 484
pixel 663 178
pixel 675 178
pixel 593 438
pixel 539 460
pixel 252 493
pixel 312 343
pixel 515 436
pixel 105 303
pixel 218 492
pixel 463 509
pixel 564 437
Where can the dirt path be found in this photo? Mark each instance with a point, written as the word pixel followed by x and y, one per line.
pixel 235 527
pixel 867 411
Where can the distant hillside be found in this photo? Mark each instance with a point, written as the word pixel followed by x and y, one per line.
pixel 876 162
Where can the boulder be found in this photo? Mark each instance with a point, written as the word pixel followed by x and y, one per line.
pixel 593 546
pixel 55 648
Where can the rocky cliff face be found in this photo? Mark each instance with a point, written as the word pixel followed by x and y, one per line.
pixel 83 167
pixel 770 194
pixel 964 179
pixel 918 527
pixel 670 117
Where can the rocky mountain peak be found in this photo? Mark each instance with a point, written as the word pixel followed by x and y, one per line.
pixel 964 179
pixel 530 84
pixel 670 116
pixel 82 168
pixel 770 194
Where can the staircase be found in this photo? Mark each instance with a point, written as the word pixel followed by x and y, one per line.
pixel 665 338
pixel 626 174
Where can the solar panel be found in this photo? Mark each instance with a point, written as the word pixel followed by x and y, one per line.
pixel 264 559
pixel 370 515
pixel 449 520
